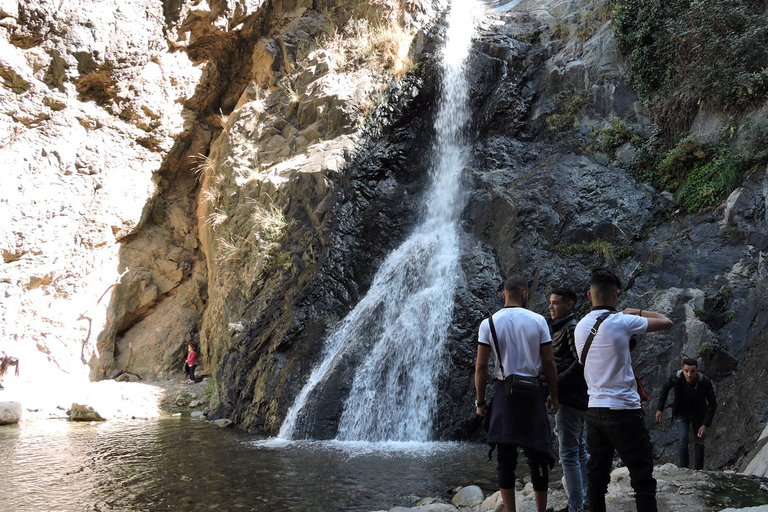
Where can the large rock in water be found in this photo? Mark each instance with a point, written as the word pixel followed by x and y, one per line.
pixel 83 413
pixel 10 412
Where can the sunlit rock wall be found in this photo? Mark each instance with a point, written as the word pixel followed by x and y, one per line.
pixel 91 98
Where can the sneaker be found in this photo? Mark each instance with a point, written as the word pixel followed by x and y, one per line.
pixel 190 382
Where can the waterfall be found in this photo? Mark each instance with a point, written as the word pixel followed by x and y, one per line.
pixel 403 320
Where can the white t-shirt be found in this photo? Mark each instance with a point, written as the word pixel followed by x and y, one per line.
pixel 608 369
pixel 520 333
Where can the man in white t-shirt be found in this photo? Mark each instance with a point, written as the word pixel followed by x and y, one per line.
pixel 614 417
pixel 526 349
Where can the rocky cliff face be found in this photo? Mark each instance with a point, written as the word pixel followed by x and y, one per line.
pixel 240 169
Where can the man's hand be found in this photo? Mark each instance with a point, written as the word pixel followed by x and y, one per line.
pixel 659 416
pixel 553 404
pixel 702 431
pixel 482 410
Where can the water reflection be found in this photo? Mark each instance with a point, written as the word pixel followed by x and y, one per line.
pixel 181 464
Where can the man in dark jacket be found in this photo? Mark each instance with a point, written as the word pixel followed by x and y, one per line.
pixel 694 405
pixel 572 391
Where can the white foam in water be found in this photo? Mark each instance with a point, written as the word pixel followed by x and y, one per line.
pixel 361 448
pixel 402 322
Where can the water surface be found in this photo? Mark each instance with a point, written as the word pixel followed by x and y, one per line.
pixel 189 465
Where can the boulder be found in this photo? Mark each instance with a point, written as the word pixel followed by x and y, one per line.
pixel 10 413
pixel 470 496
pixel 79 412
pixel 222 423
pixel 493 503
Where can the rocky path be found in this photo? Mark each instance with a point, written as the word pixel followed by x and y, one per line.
pixel 679 490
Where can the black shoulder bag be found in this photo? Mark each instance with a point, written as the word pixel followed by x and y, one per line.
pixel 591 336
pixel 518 386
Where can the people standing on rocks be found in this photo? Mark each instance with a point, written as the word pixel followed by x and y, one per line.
pixel 521 345
pixel 191 363
pixel 615 419
pixel 694 405
pixel 570 420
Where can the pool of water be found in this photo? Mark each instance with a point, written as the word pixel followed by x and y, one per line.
pixel 183 464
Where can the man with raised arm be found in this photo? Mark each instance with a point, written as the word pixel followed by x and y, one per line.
pixel 694 405
pixel 524 350
pixel 615 419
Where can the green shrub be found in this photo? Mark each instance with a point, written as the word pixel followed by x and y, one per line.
pixel 210 387
pixel 698 50
pixel 567 106
pixel 710 182
pixel 708 349
pixel 607 140
pixel 679 161
pixel 700 175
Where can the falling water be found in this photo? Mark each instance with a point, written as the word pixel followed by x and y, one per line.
pixel 403 320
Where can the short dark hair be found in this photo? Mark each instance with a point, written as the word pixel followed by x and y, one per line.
pixel 689 361
pixel 566 293
pixel 604 280
pixel 515 286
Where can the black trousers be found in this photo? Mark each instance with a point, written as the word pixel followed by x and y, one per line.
pixel 625 432
pixel 537 462
pixel 685 423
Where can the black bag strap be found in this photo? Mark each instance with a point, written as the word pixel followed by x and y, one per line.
pixel 591 336
pixel 496 343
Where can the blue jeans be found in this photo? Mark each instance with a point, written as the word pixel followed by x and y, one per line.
pixel 684 421
pixel 625 432
pixel 570 423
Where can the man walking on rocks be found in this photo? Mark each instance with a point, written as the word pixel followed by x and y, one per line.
pixel 570 421
pixel 615 417
pixel 521 345
pixel 694 405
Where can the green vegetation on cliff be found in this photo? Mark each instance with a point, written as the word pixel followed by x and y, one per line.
pixel 696 51
pixel 684 56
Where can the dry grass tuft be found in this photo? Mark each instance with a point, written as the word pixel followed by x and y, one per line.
pixel 378 46
pixel 205 168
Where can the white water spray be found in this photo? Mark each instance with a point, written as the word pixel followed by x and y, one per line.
pixel 404 318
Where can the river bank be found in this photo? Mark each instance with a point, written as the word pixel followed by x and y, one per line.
pixel 110 398
pixel 678 490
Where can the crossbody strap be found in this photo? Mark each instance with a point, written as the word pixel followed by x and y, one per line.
pixel 496 343
pixel 591 336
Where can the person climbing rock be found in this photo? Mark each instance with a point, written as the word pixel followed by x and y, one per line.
pixel 694 406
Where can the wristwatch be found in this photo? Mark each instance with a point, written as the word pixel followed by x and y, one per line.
pixel 479 403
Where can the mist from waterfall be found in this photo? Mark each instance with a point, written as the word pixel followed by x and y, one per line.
pixel 402 322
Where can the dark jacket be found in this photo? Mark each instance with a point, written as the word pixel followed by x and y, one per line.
pixel 571 386
pixel 704 402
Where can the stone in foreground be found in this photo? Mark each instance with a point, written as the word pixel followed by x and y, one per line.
pixel 83 413
pixel 10 413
